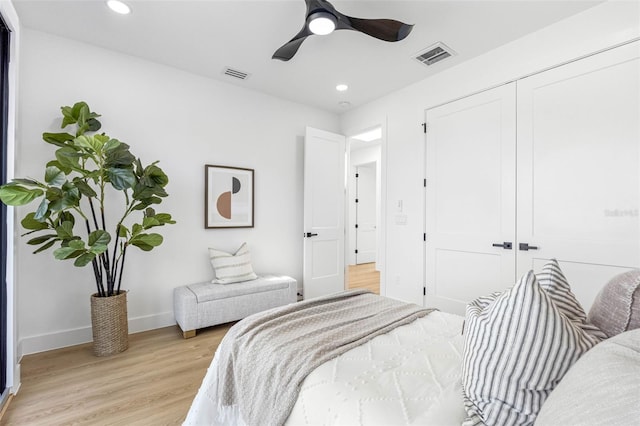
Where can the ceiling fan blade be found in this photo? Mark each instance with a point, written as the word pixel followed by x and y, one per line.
pixel 286 51
pixel 383 29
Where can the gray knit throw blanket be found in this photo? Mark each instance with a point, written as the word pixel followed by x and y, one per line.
pixel 264 358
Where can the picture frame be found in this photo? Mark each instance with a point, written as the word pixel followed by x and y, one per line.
pixel 229 198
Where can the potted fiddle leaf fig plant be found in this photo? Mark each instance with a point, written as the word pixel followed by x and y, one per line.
pixel 72 214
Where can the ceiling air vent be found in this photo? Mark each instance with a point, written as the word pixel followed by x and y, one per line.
pixel 435 53
pixel 241 75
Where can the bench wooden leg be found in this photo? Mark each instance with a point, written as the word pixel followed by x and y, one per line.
pixel 189 334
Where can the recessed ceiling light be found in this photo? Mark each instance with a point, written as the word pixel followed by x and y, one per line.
pixel 341 87
pixel 119 7
pixel 344 104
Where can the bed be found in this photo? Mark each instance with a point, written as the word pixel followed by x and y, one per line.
pixel 423 369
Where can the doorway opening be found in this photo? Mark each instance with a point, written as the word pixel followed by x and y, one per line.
pixel 363 205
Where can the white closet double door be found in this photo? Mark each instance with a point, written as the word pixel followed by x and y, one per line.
pixel 545 167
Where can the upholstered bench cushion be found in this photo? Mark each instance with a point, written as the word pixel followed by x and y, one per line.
pixel 205 304
pixel 205 292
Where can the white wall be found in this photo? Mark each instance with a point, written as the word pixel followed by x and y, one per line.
pixel 603 26
pixel 185 121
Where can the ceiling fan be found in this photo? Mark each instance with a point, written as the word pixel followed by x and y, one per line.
pixel 322 18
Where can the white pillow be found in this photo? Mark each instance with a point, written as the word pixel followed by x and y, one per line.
pixel 601 388
pixel 231 268
pixel 518 345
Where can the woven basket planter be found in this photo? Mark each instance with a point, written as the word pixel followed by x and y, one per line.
pixel 109 323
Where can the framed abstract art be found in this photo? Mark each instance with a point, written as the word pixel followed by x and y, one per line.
pixel 228 197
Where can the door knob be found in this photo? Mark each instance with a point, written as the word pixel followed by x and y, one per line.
pixel 507 245
pixel 527 247
pixel 309 234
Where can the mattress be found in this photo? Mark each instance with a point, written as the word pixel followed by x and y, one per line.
pixel 408 376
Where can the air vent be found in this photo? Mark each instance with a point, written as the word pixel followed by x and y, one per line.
pixel 435 53
pixel 241 75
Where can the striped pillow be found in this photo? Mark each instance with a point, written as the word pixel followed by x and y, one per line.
pixel 518 345
pixel 231 268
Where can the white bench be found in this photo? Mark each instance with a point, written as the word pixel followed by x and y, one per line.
pixel 205 304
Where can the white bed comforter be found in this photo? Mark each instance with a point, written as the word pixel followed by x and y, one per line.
pixel 410 376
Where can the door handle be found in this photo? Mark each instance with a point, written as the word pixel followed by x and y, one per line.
pixel 309 234
pixel 527 247
pixel 507 245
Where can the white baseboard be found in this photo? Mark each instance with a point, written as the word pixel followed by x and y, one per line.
pixel 76 336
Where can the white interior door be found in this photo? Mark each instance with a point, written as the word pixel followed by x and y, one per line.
pixel 324 212
pixel 470 198
pixel 366 214
pixel 578 168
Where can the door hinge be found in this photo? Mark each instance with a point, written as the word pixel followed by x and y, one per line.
pixel 425 126
pixel 356 225
pixel 425 182
pixel 424 237
pixel 356 200
pixel 356 251
pixel 424 290
pixel 357 175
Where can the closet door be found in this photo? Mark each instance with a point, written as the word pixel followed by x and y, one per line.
pixel 470 198
pixel 578 168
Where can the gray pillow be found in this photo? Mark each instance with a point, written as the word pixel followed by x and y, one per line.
pixel 617 306
pixel 600 389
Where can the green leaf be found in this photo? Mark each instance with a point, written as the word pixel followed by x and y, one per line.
pixel 149 212
pixel 54 176
pixel 61 199
pixel 119 157
pixel 111 144
pixel 43 210
pixel 89 143
pixel 93 125
pixel 41 239
pixel 69 157
pixel 15 195
pixel 28 182
pixel 164 218
pixel 58 139
pixel 85 259
pixel 76 244
pixel 121 178
pixel 99 237
pixel 157 175
pixel 150 222
pixel 136 229
pixel 152 240
pixel 98 249
pixel 29 222
pixel 44 246
pixel 65 217
pixel 66 253
pixel 65 231
pixel 84 188
pixel 68 116
pixel 55 163
pixel 123 232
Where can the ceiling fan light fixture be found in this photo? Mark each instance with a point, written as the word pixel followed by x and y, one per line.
pixel 321 23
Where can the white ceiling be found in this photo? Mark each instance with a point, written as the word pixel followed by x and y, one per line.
pixel 205 36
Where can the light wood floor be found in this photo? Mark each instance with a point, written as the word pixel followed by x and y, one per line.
pixel 151 383
pixel 364 276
